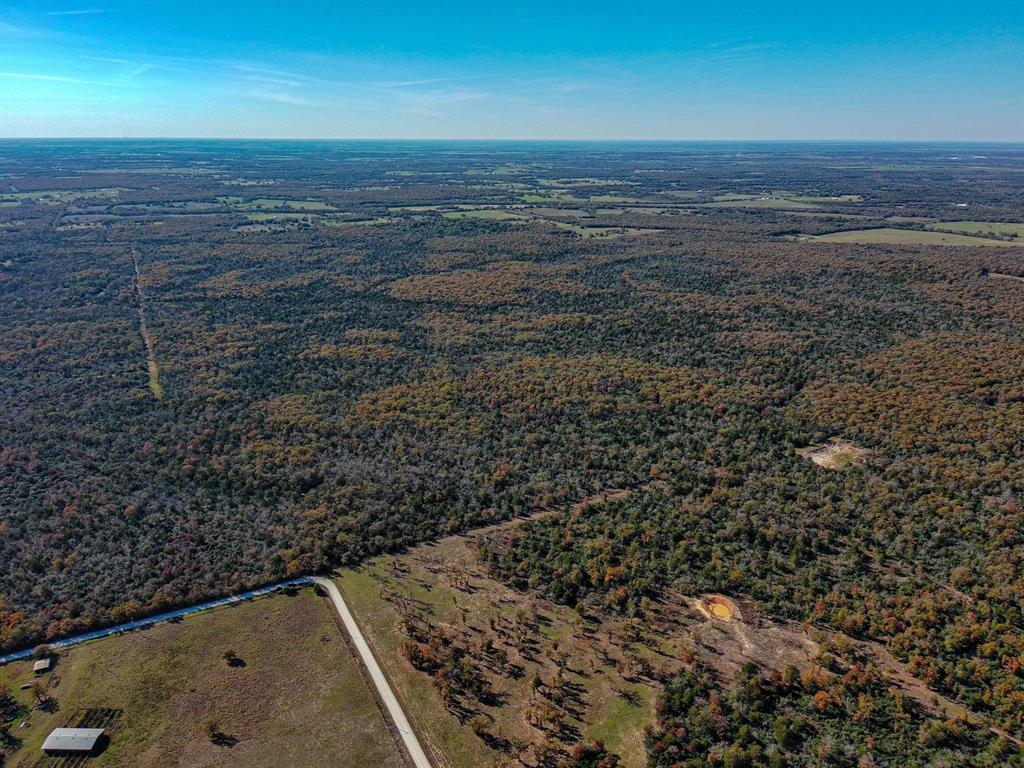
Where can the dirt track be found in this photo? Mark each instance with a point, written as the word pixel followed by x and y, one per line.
pixel 401 722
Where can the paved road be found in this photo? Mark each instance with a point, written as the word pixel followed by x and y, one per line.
pixel 412 744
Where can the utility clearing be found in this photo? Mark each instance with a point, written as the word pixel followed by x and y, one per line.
pixel 151 364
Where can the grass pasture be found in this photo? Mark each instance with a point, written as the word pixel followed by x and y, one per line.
pixel 296 695
pixel 614 199
pixel 552 197
pixel 909 219
pixel 598 231
pixel 533 214
pixel 892 236
pixel 295 205
pixel 379 220
pixel 574 213
pixel 489 214
pixel 264 217
pixel 646 210
pixel 58 196
pixel 980 228
pixel 777 203
pixel 821 199
pixel 281 204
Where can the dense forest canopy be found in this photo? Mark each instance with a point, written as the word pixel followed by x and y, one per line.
pixel 359 346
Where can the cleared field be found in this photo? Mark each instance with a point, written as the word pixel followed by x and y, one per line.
pixel 281 204
pixel 491 214
pixel 292 694
pixel 599 231
pixel 574 213
pixel 584 182
pixel 819 199
pixel 58 196
pixel 909 219
pixel 524 215
pixel 444 583
pixel 611 666
pixel 551 197
pixel 980 227
pixel 626 199
pixel 357 222
pixel 828 215
pixel 263 203
pixel 778 203
pixel 906 237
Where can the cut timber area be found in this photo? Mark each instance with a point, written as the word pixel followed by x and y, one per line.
pixel 154 369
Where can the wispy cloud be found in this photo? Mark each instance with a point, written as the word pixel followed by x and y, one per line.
pixel 283 97
pixel 7 29
pixel 81 12
pixel 56 79
pixel 255 71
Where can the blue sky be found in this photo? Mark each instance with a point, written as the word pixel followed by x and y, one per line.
pixel 603 70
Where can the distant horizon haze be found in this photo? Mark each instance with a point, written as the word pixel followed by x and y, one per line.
pixel 930 143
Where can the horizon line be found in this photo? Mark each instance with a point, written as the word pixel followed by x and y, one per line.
pixel 513 139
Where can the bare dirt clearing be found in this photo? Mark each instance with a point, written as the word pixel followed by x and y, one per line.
pixel 835 454
pixel 718 607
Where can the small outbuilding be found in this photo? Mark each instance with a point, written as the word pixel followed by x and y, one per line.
pixel 42 666
pixel 74 741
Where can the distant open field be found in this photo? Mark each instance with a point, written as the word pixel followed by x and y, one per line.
pixel 297 205
pixel 294 697
pixel 259 217
pixel 980 227
pixel 779 203
pixel 492 214
pixel 906 237
pixel 821 199
pixel 57 196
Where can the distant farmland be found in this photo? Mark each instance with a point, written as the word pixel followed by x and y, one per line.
pixel 893 236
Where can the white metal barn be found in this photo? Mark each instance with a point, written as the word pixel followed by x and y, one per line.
pixel 72 741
